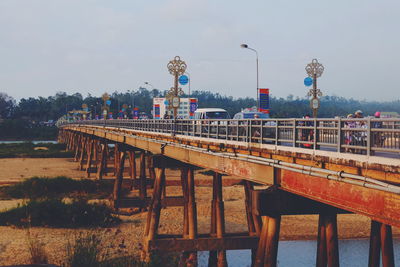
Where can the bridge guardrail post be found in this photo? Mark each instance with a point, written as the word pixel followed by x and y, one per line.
pixel 316 133
pixel 339 135
pixel 294 137
pixel 369 139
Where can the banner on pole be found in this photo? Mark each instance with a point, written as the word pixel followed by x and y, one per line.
pixel 193 107
pixel 157 111
pixel 136 113
pixel 264 100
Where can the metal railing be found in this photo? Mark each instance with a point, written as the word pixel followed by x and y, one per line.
pixel 367 136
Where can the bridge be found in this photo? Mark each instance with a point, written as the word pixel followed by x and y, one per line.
pixel 311 166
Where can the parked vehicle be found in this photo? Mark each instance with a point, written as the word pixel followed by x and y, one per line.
pixel 211 114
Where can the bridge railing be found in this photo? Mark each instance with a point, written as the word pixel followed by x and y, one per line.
pixel 362 136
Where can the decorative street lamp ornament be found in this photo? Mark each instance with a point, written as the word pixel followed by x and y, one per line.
pixel 314 71
pixel 176 67
pixel 107 103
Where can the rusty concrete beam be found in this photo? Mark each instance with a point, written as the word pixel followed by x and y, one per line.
pixel 274 202
pixel 378 205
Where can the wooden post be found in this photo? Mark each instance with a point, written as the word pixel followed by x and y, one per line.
pixel 259 259
pixel 89 157
pixel 321 243
pixel 332 240
pixel 213 258
pixel 77 147
pixel 153 215
pixel 184 173
pixel 82 157
pixel 116 158
pixel 96 153
pixel 271 246
pixel 142 186
pixel 247 192
pixel 103 161
pixel 132 165
pixel 254 223
pixel 118 179
pixel 220 217
pixel 387 246
pixel 185 229
pixel 192 212
pixel 374 244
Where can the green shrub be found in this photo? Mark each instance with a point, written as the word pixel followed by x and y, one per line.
pixel 55 213
pixel 58 187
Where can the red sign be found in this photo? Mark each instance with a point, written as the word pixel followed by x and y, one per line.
pixel 264 100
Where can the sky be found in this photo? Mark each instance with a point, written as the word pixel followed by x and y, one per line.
pixel 97 46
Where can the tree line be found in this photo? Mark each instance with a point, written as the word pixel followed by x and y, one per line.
pixel 41 109
pixel 25 119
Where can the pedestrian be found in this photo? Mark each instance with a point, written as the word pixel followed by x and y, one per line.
pixel 308 134
pixel 378 138
pixel 349 139
pixel 256 130
pixel 360 137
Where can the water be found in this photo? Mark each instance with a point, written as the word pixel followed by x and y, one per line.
pixel 34 142
pixel 352 252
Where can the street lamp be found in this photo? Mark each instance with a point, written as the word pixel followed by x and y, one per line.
pixel 147 83
pixel 252 49
pixel 314 71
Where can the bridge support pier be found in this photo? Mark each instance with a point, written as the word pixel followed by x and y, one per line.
pixel 381 240
pixel 189 242
pixel 84 144
pixel 102 166
pixel 118 179
pixel 217 258
pixel 327 242
pixel 90 151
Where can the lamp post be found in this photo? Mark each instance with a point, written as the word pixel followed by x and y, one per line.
pixel 314 71
pixel 176 67
pixel 252 49
pixel 147 83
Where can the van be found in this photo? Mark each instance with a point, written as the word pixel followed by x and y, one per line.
pixel 211 114
pixel 210 126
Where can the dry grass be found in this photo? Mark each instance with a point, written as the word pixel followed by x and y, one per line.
pixel 37 251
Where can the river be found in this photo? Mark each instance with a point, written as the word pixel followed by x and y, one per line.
pixel 34 142
pixel 352 252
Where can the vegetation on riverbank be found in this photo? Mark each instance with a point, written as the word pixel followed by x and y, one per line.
pixel 56 213
pixel 58 187
pixel 30 150
pixel 88 250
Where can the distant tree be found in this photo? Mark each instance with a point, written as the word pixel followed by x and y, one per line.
pixel 7 104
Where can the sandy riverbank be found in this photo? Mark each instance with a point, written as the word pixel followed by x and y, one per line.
pixel 126 238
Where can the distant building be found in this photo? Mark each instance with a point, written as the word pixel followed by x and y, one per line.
pixel 185 110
